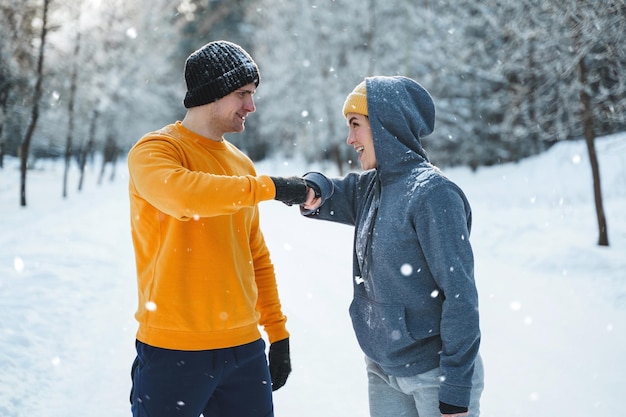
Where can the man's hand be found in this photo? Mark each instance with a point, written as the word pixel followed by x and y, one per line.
pixel 280 363
pixel 290 190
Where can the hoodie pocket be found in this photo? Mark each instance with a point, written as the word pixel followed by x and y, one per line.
pixel 381 330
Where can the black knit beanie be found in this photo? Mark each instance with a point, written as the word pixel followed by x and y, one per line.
pixel 216 70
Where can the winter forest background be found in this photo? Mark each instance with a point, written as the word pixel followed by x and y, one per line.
pixel 509 77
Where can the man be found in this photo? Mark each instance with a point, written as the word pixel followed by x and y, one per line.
pixel 204 274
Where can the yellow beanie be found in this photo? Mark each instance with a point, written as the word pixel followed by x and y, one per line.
pixel 356 102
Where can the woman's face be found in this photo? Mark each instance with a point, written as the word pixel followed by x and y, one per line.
pixel 360 138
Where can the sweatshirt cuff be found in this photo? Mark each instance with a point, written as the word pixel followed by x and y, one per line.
pixel 276 332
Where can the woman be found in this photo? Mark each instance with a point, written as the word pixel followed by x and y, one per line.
pixel 415 305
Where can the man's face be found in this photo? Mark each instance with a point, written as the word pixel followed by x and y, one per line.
pixel 230 111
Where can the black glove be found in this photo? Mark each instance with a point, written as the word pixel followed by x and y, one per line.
pixel 292 190
pixel 280 363
pixel 451 409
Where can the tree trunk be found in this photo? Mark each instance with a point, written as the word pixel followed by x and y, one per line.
pixel 3 111
pixel 588 123
pixel 603 239
pixel 25 145
pixel 86 150
pixel 70 111
pixel 113 167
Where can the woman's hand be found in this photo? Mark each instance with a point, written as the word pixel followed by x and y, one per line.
pixel 312 202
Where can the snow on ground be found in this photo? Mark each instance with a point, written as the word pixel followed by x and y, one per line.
pixel 553 303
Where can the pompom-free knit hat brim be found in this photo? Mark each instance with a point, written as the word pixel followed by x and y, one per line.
pixel 356 102
pixel 216 70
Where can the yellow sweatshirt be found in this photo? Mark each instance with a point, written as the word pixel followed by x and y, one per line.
pixel 204 274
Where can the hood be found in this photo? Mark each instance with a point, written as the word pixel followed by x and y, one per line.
pixel 401 113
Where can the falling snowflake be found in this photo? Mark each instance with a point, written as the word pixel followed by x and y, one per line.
pixel 18 264
pixel 131 33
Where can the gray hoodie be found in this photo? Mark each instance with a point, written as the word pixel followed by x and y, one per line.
pixel 415 305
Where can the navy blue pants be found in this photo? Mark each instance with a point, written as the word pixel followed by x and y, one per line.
pixel 232 382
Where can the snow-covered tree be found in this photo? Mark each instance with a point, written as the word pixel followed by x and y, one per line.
pixel 503 73
pixel 311 56
pixel 17 63
pixel 498 71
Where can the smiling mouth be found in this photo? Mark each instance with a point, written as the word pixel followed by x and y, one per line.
pixel 359 150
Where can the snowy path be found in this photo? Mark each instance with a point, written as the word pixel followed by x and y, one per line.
pixel 553 304
pixel 66 326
